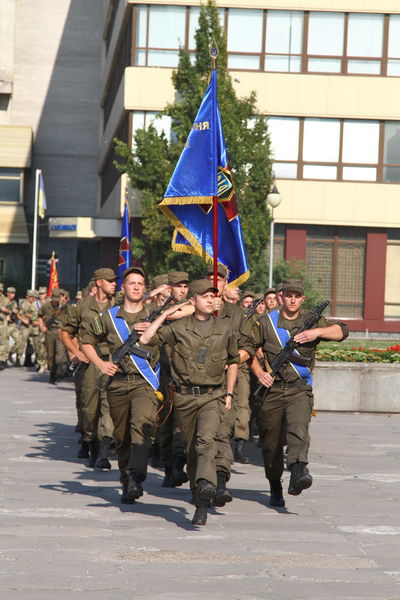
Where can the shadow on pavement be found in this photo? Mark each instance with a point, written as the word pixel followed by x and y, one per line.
pixel 56 441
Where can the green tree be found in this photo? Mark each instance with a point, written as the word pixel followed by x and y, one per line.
pixel 150 165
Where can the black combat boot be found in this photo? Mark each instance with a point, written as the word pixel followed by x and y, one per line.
pixel 300 478
pixel 134 489
pixel 125 498
pixel 240 455
pixel 84 450
pixel 276 498
pixel 168 480
pixel 102 461
pixel 178 474
pixel 93 449
pixel 17 363
pixel 222 495
pixel 205 495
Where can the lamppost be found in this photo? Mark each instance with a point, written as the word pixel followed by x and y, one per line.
pixel 273 199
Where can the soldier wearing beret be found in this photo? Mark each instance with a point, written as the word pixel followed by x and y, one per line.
pixel 94 419
pixel 285 413
pixel 202 345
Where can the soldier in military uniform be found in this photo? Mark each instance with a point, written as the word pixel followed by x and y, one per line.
pixel 11 311
pixel 28 318
pixel 132 396
pixel 172 451
pixel 236 422
pixel 49 322
pixel 93 409
pixel 285 413
pixel 270 299
pixel 3 329
pixel 202 345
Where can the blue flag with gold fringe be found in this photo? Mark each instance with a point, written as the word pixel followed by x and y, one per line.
pixel 201 173
pixel 124 255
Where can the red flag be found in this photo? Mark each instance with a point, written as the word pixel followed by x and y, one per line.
pixel 53 280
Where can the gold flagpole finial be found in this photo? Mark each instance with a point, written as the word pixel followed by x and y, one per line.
pixel 214 53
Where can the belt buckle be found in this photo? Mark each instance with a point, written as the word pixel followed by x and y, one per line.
pixel 195 390
pixel 284 385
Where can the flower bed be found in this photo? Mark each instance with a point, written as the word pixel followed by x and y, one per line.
pixel 391 354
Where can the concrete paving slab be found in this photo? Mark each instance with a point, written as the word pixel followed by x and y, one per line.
pixel 64 533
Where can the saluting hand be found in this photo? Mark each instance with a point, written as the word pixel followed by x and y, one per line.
pixel 307 336
pixel 141 326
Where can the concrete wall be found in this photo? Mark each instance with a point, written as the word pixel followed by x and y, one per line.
pixel 359 387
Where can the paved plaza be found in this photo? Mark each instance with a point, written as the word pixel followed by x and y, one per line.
pixel 65 535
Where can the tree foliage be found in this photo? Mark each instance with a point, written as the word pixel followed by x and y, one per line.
pixel 297 269
pixel 151 164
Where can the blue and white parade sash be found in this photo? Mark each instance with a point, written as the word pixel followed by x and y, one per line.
pixel 284 336
pixel 37 304
pixel 152 376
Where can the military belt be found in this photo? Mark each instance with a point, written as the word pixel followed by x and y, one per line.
pixel 285 385
pixel 196 390
pixel 129 377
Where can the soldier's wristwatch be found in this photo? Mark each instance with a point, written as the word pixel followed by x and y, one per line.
pixel 229 394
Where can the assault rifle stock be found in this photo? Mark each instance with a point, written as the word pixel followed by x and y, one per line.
pixel 130 347
pixel 287 352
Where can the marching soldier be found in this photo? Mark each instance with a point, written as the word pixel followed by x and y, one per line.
pixel 3 329
pixel 132 396
pixel 49 322
pixel 93 410
pixel 28 317
pixel 12 320
pixel 285 413
pixel 202 345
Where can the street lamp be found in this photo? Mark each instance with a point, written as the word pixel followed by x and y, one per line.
pixel 273 199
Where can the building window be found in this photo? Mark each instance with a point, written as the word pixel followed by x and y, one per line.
pixel 244 50
pixel 325 42
pixel 10 185
pixel 141 119
pixel 393 63
pixel 336 258
pixel 392 287
pixel 283 42
pixel 160 32
pixel 335 149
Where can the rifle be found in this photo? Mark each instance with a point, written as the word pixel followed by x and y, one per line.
pixel 287 352
pixel 252 309
pixel 130 347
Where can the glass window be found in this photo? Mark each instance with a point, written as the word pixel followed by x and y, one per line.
pixel 141 26
pixel 319 172
pixel 10 185
pixel 326 33
pixel 285 170
pixel 360 142
pixel 284 32
pixel 243 61
pixel 393 68
pixel 372 67
pixel 167 26
pixel 286 63
pixel 324 65
pixel 140 58
pixel 391 174
pixel 162 123
pixel 321 140
pixel 394 37
pixel 391 154
pixel 365 35
pixel 162 58
pixel 359 173
pixel 244 30
pixel 284 134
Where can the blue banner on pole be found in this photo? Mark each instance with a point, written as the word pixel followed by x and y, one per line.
pixel 124 256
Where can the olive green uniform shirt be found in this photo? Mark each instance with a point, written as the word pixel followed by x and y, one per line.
pixel 264 336
pixel 199 351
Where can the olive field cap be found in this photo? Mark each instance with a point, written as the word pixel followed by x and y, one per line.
pixel 42 290
pixel 293 285
pixel 137 270
pixel 104 273
pixel 159 280
pixel 56 293
pixel 30 293
pixel 269 291
pixel 12 290
pixel 221 270
pixel 201 286
pixel 248 293
pixel 279 287
pixel 35 293
pixel 176 277
pixel 63 292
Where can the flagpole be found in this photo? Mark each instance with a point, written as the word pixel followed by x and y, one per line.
pixel 35 231
pixel 214 55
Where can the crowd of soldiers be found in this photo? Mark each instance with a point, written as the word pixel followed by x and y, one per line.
pixel 184 394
